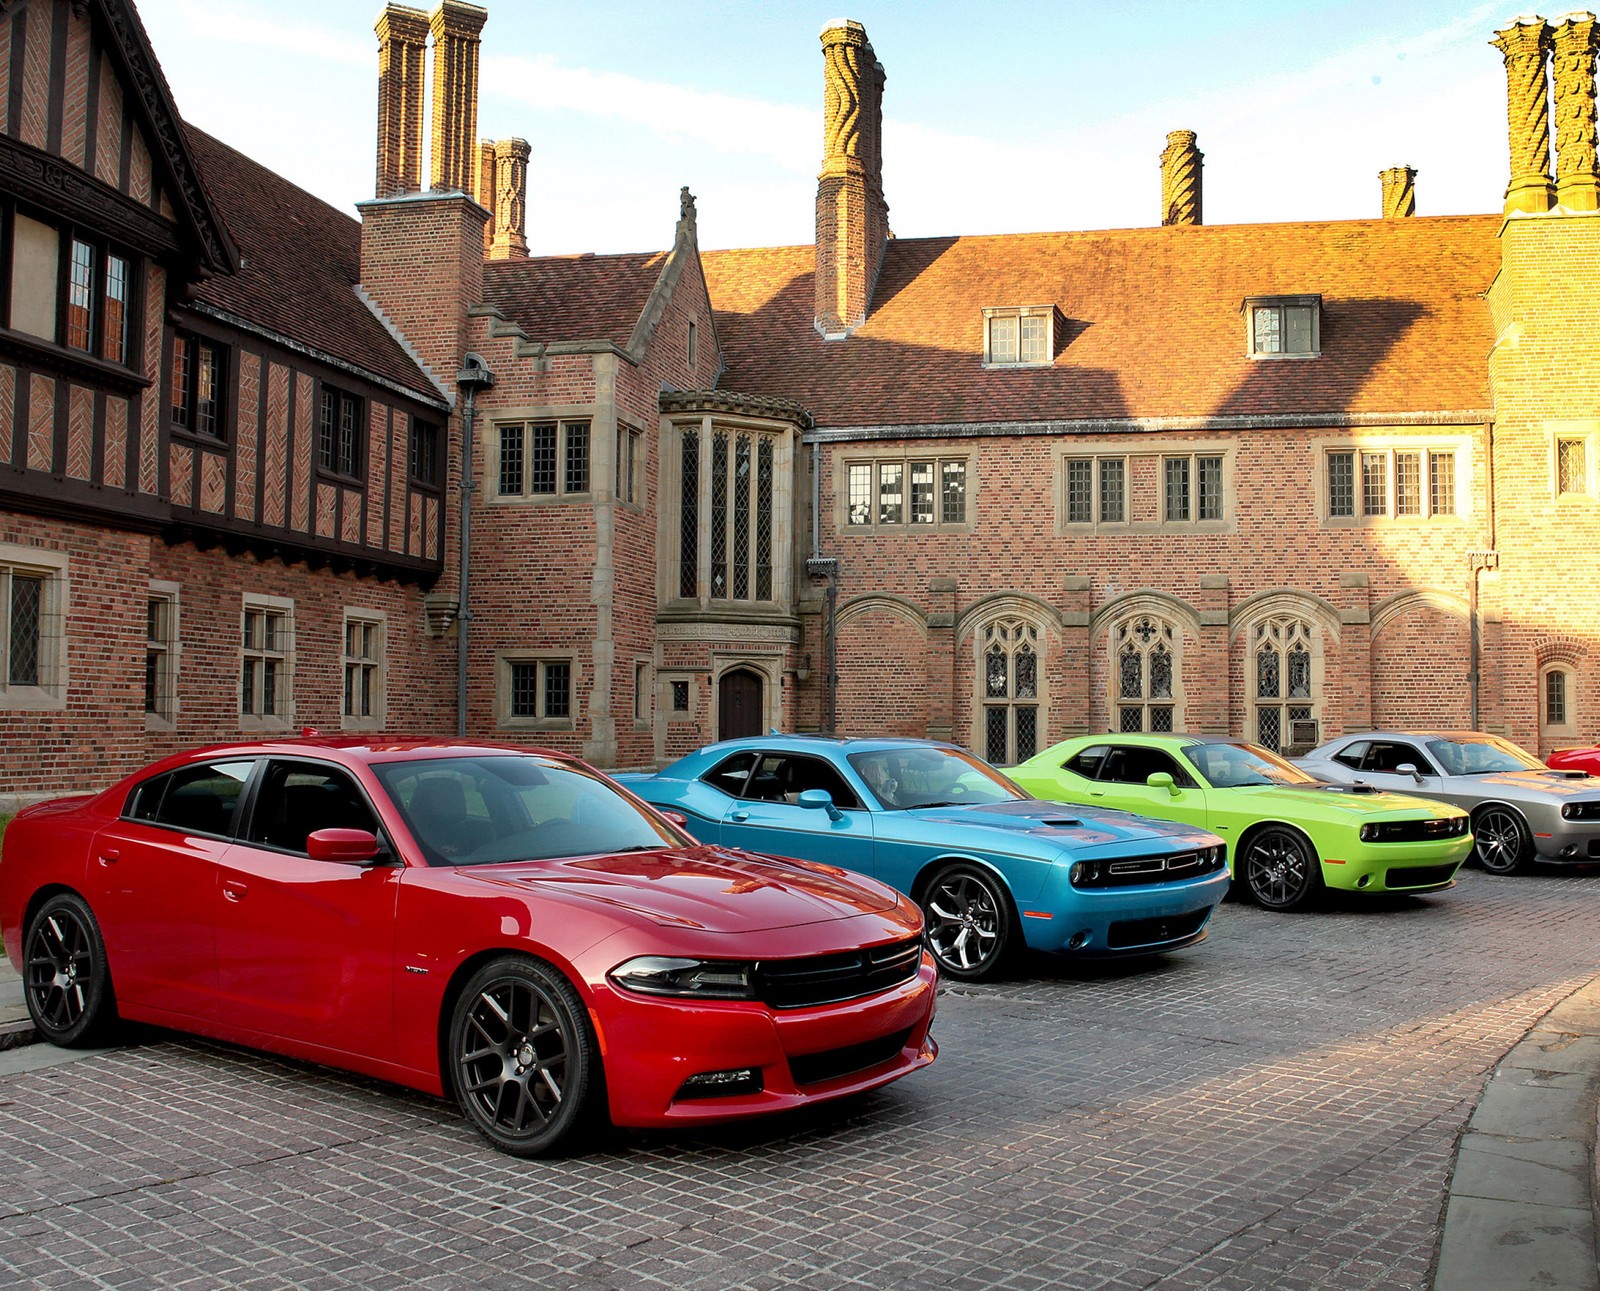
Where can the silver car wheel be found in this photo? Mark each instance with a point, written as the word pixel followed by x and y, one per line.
pixel 969 922
pixel 1500 840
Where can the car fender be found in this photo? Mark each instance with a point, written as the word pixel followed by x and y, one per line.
pixel 931 867
pixel 1255 827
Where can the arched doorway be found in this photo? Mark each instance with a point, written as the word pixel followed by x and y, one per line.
pixel 740 707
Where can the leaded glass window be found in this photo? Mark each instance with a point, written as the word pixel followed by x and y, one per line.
pixel 1374 484
pixel 729 527
pixel 764 481
pixel 1144 651
pixel 1113 497
pixel 510 459
pixel 1177 489
pixel 689 514
pixel 1285 688
pixel 741 518
pixel 1572 466
pixel 551 459
pixel 891 499
pixel 1442 484
pixel 719 515
pixel 1382 483
pixel 1009 690
pixel 339 437
pixel 26 624
pixel 537 689
pixel 1408 484
pixel 542 440
pixel 923 493
pixel 80 296
pixel 1342 484
pixel 1080 490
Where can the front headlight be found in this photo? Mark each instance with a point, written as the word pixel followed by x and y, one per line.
pixel 1371 833
pixel 703 979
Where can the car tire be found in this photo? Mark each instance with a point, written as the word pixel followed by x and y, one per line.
pixel 524 1062
pixel 971 925
pixel 66 980
pixel 1279 869
pixel 1501 842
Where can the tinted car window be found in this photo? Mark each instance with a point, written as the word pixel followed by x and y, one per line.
pixel 296 799
pixel 1388 757
pixel 782 777
pixel 1352 755
pixel 1131 764
pixel 198 800
pixel 1088 762
pixel 730 774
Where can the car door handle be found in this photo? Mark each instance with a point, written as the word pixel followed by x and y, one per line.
pixel 233 891
pixel 109 857
pixel 1097 793
pixel 740 816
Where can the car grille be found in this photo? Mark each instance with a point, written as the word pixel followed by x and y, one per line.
pixel 1415 831
pixel 1153 932
pixel 827 979
pixel 1136 870
pixel 1417 876
pixel 830 1064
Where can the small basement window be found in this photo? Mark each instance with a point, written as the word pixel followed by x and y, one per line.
pixel 1020 336
pixel 1280 327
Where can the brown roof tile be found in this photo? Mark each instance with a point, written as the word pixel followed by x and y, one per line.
pixel 1153 324
pixel 574 298
pixel 301 261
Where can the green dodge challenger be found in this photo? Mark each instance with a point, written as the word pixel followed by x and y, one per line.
pixel 1289 835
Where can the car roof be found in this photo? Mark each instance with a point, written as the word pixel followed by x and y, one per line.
pixel 361 748
pixel 1414 735
pixel 845 744
pixel 1158 738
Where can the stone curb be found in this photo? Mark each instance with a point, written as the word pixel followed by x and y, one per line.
pixel 13 1035
pixel 1522 1206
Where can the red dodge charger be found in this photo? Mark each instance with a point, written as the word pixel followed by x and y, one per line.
pixel 502 925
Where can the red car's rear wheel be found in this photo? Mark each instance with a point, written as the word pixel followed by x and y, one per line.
pixel 65 979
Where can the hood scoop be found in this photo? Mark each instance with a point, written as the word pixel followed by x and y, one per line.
pixel 1062 822
pixel 1360 786
pixel 1567 775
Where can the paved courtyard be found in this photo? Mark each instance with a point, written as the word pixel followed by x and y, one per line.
pixel 1277 1107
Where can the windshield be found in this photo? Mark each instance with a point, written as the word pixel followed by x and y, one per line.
pixel 1232 766
pixel 921 776
pixel 1481 755
pixel 516 807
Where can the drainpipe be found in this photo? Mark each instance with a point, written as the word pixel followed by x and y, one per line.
pixel 1480 561
pixel 820 566
pixel 474 376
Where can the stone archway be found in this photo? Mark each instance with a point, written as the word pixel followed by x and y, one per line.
pixel 741 704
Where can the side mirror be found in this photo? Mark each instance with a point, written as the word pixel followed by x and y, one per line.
pixel 823 799
pixel 1406 768
pixel 1163 780
pixel 677 818
pixel 346 846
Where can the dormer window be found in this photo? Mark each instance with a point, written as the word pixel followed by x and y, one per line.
pixel 1023 336
pixel 1284 327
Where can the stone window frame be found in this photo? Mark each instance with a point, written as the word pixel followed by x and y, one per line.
pixel 1584 431
pixel 644 698
pixel 1567 727
pixel 1428 446
pixel 183 384
pixel 670 685
pixel 1279 305
pixel 1118 704
pixel 541 660
pixel 1294 628
pixel 1035 636
pixel 848 463
pixel 370 664
pixel 1053 322
pixel 49 692
pixel 278 650
pixel 1101 451
pixel 162 655
pixel 630 465
pixel 565 420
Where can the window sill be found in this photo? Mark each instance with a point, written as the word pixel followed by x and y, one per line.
pixel 343 481
pixel 183 435
pixel 33 699
pixel 1308 354
pixel 989 365
pixel 536 724
pixel 71 363
pixel 259 724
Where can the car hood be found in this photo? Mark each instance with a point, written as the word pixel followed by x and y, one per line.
pixel 1074 827
pixel 713 889
pixel 1358 800
pixel 1558 784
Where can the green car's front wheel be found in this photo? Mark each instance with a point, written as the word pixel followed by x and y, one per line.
pixel 1279 869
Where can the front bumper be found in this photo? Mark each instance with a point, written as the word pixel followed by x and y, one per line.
pixel 651 1046
pixel 1569 842
pixel 1135 920
pixel 1425 866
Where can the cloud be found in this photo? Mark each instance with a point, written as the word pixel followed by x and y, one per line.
pixel 219 22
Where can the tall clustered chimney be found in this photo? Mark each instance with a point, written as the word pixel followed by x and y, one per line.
pixel 1180 179
pixel 852 215
pixel 1574 43
pixel 1399 192
pixel 402 50
pixel 1524 44
pixel 455 96
pixel 509 202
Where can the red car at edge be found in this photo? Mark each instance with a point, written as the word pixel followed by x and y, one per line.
pixel 499 924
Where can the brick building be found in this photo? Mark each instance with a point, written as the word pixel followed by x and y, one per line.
pixel 1281 480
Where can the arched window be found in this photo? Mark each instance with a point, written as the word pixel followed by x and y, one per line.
pixel 1284 685
pixel 1558 718
pixel 1008 688
pixel 1144 658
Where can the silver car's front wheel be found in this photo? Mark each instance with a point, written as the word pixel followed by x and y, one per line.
pixel 1500 840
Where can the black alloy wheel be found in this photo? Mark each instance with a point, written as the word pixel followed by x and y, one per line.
pixel 1280 869
pixel 969 922
pixel 523 1057
pixel 65 979
pixel 1501 841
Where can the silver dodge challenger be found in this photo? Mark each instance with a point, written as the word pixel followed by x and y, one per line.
pixel 1522 811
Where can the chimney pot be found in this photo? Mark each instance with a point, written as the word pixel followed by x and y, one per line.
pixel 852 215
pixel 508 197
pixel 1399 192
pixel 454 161
pixel 402 51
pixel 1181 161
pixel 1573 42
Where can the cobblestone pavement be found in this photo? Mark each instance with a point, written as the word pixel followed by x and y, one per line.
pixel 1276 1108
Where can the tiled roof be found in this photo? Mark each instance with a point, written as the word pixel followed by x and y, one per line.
pixel 301 261
pixel 1153 326
pixel 574 298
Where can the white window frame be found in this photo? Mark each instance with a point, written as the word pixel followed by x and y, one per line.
pixel 1280 304
pixel 540 719
pixel 283 654
pixel 1389 449
pixel 1047 315
pixel 50 568
pixel 163 649
pixel 850 467
pixel 372 666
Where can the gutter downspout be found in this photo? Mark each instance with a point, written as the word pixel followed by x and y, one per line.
pixel 1480 561
pixel 474 376
pixel 820 566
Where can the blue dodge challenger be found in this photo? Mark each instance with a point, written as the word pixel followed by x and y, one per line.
pixel 992 868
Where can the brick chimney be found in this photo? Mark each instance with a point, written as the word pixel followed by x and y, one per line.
pixel 1399 192
pixel 1573 42
pixel 507 197
pixel 454 160
pixel 402 50
pixel 1180 179
pixel 852 215
pixel 1524 44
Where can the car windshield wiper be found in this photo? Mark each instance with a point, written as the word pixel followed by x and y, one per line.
pixel 914 806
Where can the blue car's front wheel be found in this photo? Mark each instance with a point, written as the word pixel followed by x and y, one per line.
pixel 969 921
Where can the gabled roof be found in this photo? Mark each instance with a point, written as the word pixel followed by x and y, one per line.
pixel 1153 327
pixel 300 260
pixel 574 298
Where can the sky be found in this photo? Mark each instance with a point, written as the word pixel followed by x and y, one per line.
pixel 999 116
